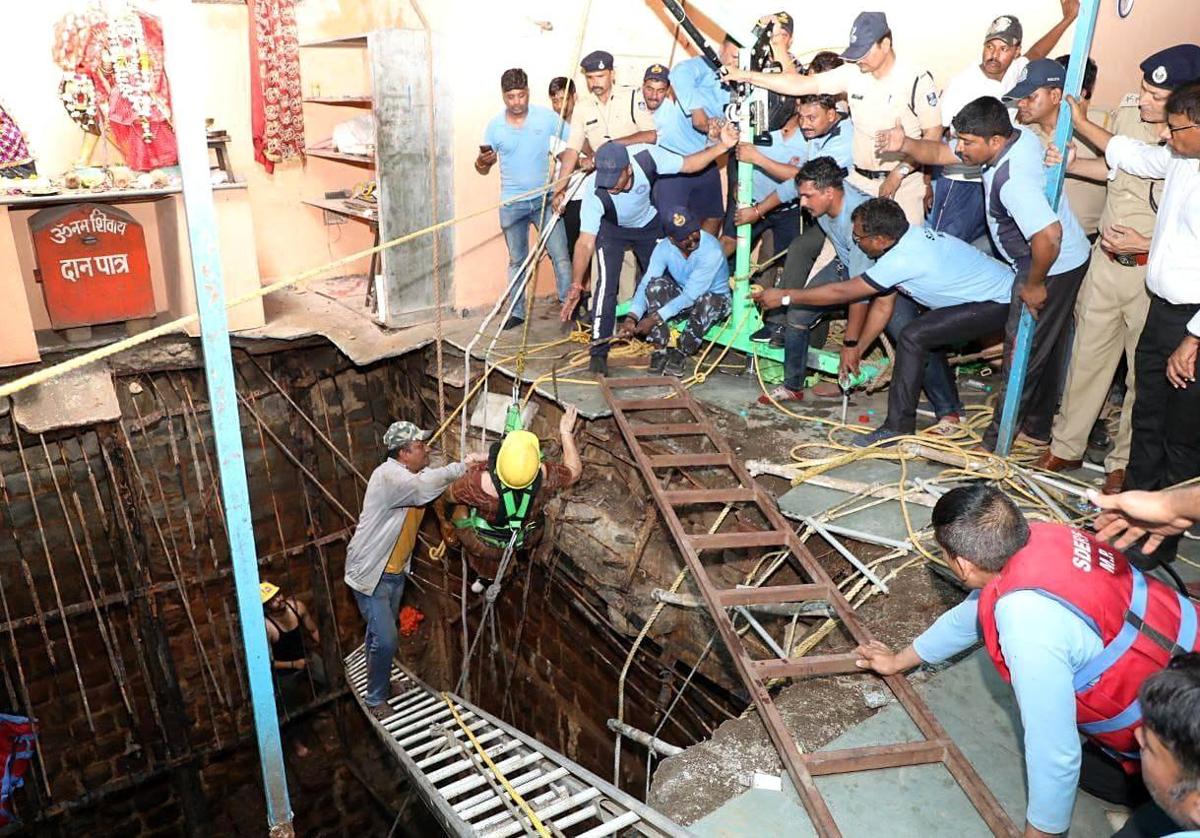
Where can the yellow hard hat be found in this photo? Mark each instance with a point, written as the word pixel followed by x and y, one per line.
pixel 266 590
pixel 519 459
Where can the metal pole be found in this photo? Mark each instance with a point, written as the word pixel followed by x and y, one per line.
pixel 186 68
pixel 745 197
pixel 1085 28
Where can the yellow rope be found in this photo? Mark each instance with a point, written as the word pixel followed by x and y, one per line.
pixel 520 801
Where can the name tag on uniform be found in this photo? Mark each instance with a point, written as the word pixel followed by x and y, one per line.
pixel 856 96
pixel 591 122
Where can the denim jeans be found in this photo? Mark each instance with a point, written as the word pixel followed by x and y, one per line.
pixel 515 219
pixel 380 610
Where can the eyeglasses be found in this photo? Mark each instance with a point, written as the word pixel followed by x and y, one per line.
pixel 1182 128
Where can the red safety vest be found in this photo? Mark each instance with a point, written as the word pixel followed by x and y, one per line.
pixel 1141 621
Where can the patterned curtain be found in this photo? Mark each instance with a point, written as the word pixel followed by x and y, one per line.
pixel 276 104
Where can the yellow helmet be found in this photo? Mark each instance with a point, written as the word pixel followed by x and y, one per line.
pixel 266 590
pixel 519 459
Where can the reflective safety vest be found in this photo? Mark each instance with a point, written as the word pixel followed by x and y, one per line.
pixel 512 511
pixel 1141 621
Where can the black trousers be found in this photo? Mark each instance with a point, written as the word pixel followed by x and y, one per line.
pixel 936 328
pixel 570 220
pixel 1045 371
pixel 1165 448
pixel 611 243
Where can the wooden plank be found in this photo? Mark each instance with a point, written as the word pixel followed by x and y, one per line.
pixel 331 154
pixel 737 540
pixel 809 665
pixel 668 429
pixel 684 497
pixel 688 460
pixel 650 404
pixel 874 757
pixel 772 594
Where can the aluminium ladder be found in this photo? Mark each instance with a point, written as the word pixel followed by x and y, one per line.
pixel 465 795
pixel 935 745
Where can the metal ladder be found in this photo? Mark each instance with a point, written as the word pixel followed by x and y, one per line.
pixel 467 797
pixel 935 745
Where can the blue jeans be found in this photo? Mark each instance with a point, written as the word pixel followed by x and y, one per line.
pixel 381 610
pixel 958 209
pixel 515 219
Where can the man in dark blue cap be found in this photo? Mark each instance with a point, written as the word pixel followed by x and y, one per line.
pixel 606 112
pixel 688 276
pixel 618 213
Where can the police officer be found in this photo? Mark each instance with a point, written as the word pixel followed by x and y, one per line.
pixel 618 213
pixel 606 112
pixel 1112 305
pixel 883 91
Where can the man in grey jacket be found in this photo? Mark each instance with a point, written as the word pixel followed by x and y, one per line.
pixel 378 554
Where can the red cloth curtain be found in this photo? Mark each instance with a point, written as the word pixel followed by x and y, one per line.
pixel 276 101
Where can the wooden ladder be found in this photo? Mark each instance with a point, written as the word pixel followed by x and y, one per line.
pixel 936 745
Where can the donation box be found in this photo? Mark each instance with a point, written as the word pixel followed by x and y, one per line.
pixel 91 261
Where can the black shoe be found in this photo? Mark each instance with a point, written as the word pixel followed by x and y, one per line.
pixel 777 339
pixel 512 323
pixel 763 335
pixel 674 363
pixel 1099 438
pixel 598 365
pixel 581 315
pixel 657 359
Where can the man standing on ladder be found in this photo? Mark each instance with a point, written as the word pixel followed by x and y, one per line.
pixel 378 555
pixel 507 494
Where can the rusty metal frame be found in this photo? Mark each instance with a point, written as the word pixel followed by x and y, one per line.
pixel 936 747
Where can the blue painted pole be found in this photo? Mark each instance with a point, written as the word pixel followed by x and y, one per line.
pixel 1085 29
pixel 186 69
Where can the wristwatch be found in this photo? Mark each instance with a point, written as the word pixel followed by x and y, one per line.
pixel 905 169
pixel 785 300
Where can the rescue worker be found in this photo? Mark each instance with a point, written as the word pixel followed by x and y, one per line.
pixel 688 276
pixel 293 664
pixel 1071 624
pixel 618 213
pixel 606 112
pixel 505 496
pixel 1112 305
pixel 1169 739
pixel 884 90
pixel 378 555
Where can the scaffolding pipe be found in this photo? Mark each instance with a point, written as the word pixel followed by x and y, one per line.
pixel 1085 28
pixel 663 749
pixel 813 608
pixel 186 67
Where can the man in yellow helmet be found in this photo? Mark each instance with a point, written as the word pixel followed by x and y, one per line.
pixel 505 496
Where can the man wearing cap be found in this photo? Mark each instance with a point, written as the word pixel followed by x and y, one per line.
pixel 501 500
pixel 521 138
pixel 606 112
pixel 673 130
pixel 1047 248
pixel 294 665
pixel 957 200
pixel 688 276
pixel 883 91
pixel 1037 96
pixel 1112 305
pixel 618 213
pixel 378 554
pixel 1165 445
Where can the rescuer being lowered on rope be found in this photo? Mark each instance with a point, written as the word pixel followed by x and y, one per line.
pixel 1072 625
pixel 506 495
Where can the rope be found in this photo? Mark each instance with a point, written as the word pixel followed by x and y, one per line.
pixel 529 813
pixel 490 596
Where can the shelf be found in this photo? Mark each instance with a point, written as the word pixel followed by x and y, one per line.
pixel 348 42
pixel 336 205
pixel 347 101
pixel 330 154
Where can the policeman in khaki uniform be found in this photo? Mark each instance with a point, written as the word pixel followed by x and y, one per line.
pixel 1112 305
pixel 606 112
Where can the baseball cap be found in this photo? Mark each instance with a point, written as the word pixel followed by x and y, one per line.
pixel 611 160
pixel 1172 67
pixel 1005 28
pixel 786 21
pixel 680 222
pixel 657 72
pixel 597 60
pixel 402 433
pixel 1045 72
pixel 868 28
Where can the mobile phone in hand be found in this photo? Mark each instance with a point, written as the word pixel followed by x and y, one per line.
pixel 485 149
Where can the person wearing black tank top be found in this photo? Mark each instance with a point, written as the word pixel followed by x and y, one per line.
pixel 295 661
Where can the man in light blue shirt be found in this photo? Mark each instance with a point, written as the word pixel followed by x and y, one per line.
pixel 960 292
pixel 1047 249
pixel 688 275
pixel 699 91
pixel 520 138
pixel 1170 742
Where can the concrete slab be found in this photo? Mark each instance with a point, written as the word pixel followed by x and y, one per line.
pixel 81 397
pixel 978 711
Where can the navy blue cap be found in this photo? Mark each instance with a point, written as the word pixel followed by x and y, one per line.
pixel 1173 66
pixel 657 72
pixel 786 22
pixel 868 28
pixel 1045 72
pixel 680 222
pixel 611 160
pixel 597 60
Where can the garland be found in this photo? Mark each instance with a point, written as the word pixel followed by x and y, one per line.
pixel 130 62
